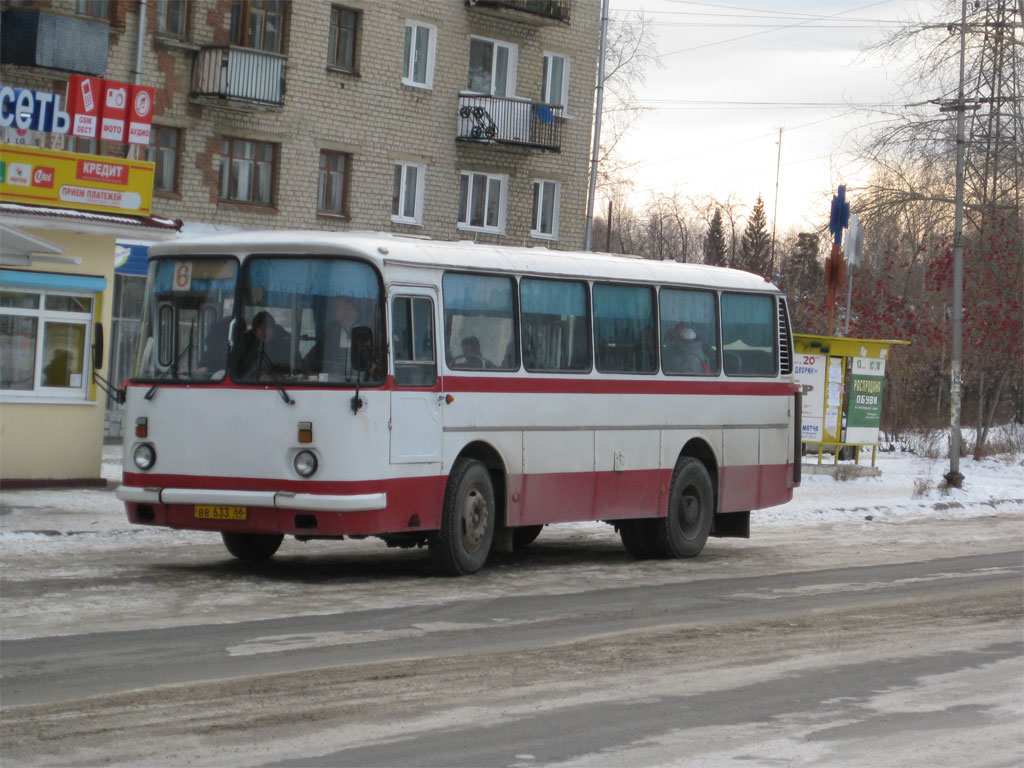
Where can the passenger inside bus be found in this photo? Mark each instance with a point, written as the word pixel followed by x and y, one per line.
pixel 264 347
pixel 682 352
pixel 331 352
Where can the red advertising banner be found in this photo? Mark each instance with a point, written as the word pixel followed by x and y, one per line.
pixel 115 110
pixel 84 103
pixel 140 114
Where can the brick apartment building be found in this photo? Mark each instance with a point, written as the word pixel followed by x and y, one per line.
pixel 454 119
pixel 451 119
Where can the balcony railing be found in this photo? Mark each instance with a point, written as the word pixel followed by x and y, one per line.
pixel 529 11
pixel 239 73
pixel 496 120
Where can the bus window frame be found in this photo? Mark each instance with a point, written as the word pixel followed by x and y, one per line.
pixel 774 299
pixel 517 362
pixel 588 317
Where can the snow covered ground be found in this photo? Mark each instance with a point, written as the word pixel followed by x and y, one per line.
pixel 909 486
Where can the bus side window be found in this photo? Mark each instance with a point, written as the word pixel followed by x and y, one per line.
pixel 479 322
pixel 749 334
pixel 624 328
pixel 689 332
pixel 412 341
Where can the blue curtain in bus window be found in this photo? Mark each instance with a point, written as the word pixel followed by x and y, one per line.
pixel 556 335
pixel 313 277
pixel 748 334
pixel 479 324
pixel 689 331
pixel 624 329
pixel 206 275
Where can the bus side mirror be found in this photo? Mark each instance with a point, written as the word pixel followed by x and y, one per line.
pixel 362 348
pixel 97 346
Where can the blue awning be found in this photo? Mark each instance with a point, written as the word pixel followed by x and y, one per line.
pixel 53 281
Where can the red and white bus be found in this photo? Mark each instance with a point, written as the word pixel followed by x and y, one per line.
pixel 454 395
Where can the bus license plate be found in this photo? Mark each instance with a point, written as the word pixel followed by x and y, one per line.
pixel 217 512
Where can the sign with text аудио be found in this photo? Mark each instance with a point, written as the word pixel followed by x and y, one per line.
pixel 864 412
pixel 70 180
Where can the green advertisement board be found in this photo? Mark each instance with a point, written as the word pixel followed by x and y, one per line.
pixel 864 410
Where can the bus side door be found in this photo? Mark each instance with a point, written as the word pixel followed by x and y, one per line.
pixel 415 398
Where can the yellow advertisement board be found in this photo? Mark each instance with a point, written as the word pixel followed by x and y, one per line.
pixel 33 176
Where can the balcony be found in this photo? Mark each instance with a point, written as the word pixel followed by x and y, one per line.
pixel 537 12
pixel 39 39
pixel 514 122
pixel 243 74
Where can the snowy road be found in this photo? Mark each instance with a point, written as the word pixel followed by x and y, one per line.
pixel 868 622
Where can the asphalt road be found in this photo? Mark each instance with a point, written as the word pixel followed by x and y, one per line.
pixel 907 662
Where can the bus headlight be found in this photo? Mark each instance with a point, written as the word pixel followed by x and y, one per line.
pixel 305 463
pixel 144 456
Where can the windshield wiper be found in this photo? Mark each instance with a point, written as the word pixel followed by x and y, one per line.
pixel 173 368
pixel 273 375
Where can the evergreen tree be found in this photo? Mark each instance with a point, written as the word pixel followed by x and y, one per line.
pixel 755 249
pixel 715 252
pixel 803 279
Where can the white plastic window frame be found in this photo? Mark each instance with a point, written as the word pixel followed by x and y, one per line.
pixel 44 316
pixel 421 172
pixel 513 66
pixel 502 178
pixel 546 95
pixel 556 190
pixel 409 64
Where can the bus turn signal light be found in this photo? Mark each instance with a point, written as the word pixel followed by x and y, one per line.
pixel 305 431
pixel 142 427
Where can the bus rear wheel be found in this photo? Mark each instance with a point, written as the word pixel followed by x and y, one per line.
pixel 683 532
pixel 462 545
pixel 252 547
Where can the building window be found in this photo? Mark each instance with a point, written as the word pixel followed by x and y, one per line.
pixel 418 58
pixel 98 9
pixel 341 51
pixel 81 145
pixel 246 171
pixel 482 201
pixel 44 342
pixel 171 17
pixel 547 196
pixel 407 193
pixel 492 67
pixel 163 151
pixel 332 186
pixel 555 80
pixel 258 24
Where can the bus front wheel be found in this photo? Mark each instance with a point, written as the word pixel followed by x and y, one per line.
pixel 252 547
pixel 462 545
pixel 683 532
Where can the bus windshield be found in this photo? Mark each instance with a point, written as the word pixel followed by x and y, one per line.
pixel 297 318
pixel 185 319
pixel 284 319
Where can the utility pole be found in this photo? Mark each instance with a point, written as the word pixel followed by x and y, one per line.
pixel 775 212
pixel 599 104
pixel 954 477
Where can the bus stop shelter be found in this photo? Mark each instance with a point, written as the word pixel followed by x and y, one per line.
pixel 843 385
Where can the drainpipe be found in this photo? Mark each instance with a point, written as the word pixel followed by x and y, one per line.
pixel 140 43
pixel 597 123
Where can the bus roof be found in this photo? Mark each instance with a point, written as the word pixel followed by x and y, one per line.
pixel 381 248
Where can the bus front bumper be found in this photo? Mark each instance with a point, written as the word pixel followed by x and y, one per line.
pixel 362 502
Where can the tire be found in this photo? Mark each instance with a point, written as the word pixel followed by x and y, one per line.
pixel 524 536
pixel 683 532
pixel 635 538
pixel 462 545
pixel 252 547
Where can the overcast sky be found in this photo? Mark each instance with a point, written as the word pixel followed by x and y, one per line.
pixel 735 72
